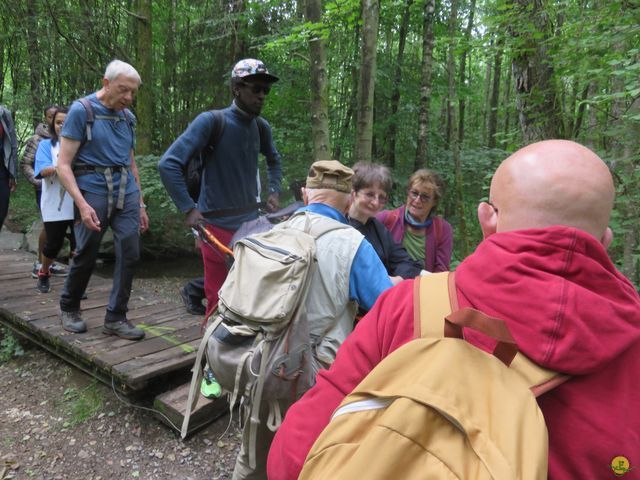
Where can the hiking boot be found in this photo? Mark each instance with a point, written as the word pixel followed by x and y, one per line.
pixel 73 322
pixel 193 307
pixel 58 270
pixel 123 329
pixel 43 282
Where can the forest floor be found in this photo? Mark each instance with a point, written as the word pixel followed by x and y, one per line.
pixel 58 423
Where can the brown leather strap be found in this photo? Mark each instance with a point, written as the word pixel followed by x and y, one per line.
pixel 437 316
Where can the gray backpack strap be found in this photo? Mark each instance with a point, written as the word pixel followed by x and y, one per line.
pixel 90 117
pixel 197 374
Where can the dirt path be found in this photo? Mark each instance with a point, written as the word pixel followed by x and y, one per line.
pixel 58 423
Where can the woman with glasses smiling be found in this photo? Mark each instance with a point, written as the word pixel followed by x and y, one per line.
pixel 370 191
pixel 427 237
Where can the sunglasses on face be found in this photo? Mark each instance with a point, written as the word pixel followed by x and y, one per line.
pixel 414 195
pixel 256 89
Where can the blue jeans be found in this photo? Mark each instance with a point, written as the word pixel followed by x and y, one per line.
pixel 125 225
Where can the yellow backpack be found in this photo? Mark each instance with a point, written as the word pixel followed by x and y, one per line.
pixel 438 407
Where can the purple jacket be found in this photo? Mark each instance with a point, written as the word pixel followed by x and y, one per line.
pixel 438 242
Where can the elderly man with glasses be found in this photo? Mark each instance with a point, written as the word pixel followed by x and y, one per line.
pixel 230 141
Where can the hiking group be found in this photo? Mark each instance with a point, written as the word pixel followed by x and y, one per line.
pixel 519 364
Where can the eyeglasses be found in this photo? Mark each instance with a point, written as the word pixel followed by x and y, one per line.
pixel 256 89
pixel 414 195
pixel 381 197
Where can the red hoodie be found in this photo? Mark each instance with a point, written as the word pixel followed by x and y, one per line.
pixel 569 310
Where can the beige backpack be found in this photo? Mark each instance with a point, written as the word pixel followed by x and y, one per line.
pixel 438 407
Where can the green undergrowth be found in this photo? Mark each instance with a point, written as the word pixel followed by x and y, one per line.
pixel 80 404
pixel 9 346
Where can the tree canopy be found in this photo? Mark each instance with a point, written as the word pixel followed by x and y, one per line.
pixel 452 85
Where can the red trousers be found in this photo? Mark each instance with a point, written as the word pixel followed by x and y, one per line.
pixel 215 267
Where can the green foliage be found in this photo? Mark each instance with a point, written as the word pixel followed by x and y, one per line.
pixel 9 346
pixel 591 49
pixel 79 405
pixel 168 233
pixel 23 210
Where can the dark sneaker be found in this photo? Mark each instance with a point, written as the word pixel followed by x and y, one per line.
pixel 73 322
pixel 58 270
pixel 193 307
pixel 43 283
pixel 124 329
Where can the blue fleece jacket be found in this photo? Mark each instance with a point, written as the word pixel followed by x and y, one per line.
pixel 368 277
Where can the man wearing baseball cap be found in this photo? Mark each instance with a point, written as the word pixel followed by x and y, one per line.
pixel 349 274
pixel 230 189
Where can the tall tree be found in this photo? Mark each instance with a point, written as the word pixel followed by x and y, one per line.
pixel 35 64
pixel 145 102
pixel 319 84
pixel 366 84
pixel 492 124
pixel 536 96
pixel 452 134
pixel 397 81
pixel 428 35
pixel 463 69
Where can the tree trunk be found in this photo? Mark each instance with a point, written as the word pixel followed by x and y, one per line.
pixel 35 65
pixel 454 144
pixel 366 85
pixel 350 96
pixel 425 87
pixel 507 102
pixel 397 80
pixel 495 95
pixel 536 98
pixel 319 85
pixel 624 134
pixel 462 73
pixel 144 104
pixel 486 105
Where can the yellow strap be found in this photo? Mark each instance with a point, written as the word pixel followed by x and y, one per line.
pixel 433 305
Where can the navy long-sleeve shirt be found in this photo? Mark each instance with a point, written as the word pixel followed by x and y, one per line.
pixel 230 173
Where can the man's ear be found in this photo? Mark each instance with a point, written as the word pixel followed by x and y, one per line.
pixel 105 82
pixel 350 200
pixel 607 238
pixel 488 219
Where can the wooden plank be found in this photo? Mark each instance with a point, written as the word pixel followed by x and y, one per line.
pixel 140 370
pixel 170 408
pixel 162 358
pixel 152 344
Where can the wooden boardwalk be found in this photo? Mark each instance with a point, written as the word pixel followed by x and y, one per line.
pixel 158 362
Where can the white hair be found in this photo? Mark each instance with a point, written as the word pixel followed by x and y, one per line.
pixel 117 68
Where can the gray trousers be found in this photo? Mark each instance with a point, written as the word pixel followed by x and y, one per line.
pixel 125 225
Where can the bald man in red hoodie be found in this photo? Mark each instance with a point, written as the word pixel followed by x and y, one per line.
pixel 544 269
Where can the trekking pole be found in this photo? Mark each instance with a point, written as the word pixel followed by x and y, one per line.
pixel 211 239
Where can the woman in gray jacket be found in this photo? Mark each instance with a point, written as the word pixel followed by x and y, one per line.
pixel 8 159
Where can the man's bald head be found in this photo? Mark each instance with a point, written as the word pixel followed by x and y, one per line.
pixel 554 182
